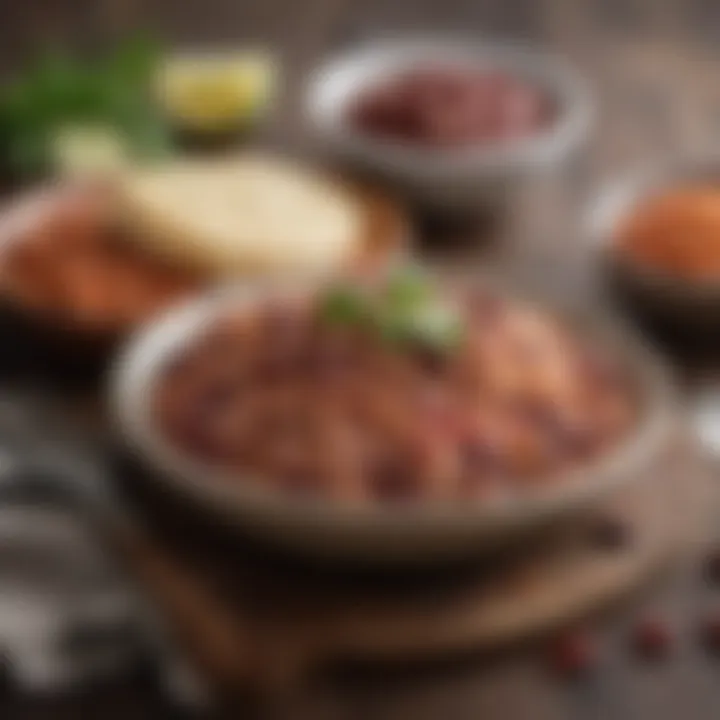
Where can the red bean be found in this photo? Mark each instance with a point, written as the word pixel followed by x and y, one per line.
pixel 710 632
pixel 653 637
pixel 712 566
pixel 574 654
pixel 285 393
pixel 450 106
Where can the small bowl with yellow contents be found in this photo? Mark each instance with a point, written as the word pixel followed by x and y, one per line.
pixel 211 97
pixel 658 235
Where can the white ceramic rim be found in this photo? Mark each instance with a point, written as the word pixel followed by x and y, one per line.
pixel 130 391
pixel 337 80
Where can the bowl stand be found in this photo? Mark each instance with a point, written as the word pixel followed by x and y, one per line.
pixel 269 623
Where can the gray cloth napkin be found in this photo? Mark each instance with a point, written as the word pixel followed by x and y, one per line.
pixel 67 611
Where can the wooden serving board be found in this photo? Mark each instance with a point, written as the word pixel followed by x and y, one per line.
pixel 270 625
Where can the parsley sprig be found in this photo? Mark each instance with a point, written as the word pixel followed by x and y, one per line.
pixel 58 90
pixel 405 311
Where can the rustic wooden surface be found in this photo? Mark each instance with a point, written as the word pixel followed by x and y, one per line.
pixel 231 613
pixel 655 66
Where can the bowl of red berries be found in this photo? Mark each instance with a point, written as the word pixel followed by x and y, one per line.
pixel 450 123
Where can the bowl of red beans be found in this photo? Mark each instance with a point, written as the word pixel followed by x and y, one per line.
pixel 449 123
pixel 398 421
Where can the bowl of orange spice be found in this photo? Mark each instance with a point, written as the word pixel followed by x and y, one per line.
pixel 658 235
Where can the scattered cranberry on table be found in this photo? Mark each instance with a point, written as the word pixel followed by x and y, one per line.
pixel 574 654
pixel 653 637
pixel 712 566
pixel 710 632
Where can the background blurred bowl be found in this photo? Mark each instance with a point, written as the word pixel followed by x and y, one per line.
pixel 671 300
pixel 47 336
pixel 417 534
pixel 461 179
pixel 59 344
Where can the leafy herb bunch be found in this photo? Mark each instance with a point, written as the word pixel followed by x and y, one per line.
pixel 58 90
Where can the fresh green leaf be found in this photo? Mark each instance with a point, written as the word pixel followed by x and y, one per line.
pixel 407 288
pixel 345 305
pixel 58 91
pixel 128 75
pixel 405 312
pixel 149 138
pixel 393 328
pixel 135 60
pixel 430 324
pixel 436 325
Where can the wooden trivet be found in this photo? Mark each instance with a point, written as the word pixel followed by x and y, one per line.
pixel 250 622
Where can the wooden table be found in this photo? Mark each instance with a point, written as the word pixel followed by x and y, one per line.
pixel 655 65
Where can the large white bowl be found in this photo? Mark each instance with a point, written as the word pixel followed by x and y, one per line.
pixel 412 534
pixel 455 179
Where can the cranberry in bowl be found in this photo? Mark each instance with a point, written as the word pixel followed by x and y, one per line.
pixel 451 123
pixel 450 107
pixel 392 422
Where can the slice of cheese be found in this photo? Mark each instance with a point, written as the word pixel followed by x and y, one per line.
pixel 243 215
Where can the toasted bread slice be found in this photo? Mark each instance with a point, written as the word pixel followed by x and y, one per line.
pixel 243 215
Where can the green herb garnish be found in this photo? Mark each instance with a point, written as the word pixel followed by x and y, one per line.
pixel 58 92
pixel 436 326
pixel 406 289
pixel 405 312
pixel 346 305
